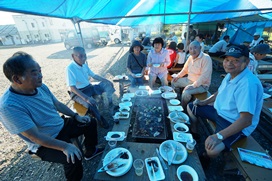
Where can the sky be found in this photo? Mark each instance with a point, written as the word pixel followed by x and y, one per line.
pixel 6 18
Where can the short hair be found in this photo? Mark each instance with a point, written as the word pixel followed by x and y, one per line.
pixel 16 64
pixel 195 43
pixel 78 49
pixel 191 26
pixel 181 46
pixel 201 36
pixel 226 37
pixel 158 40
pixel 172 45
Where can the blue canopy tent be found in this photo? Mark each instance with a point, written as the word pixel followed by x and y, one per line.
pixel 137 12
pixel 112 11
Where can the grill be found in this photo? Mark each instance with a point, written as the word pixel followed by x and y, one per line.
pixel 149 119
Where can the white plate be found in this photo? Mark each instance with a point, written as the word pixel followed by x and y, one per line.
pixel 125 104
pixel 138 75
pixel 174 75
pixel 121 115
pixel 124 109
pixel 187 168
pixel 119 171
pixel 126 99
pixel 166 88
pixel 169 95
pixel 156 92
pixel 159 174
pixel 175 108
pixel 156 65
pixel 181 154
pixel 179 126
pixel 120 77
pixel 129 95
pixel 144 87
pixel 141 93
pixel 265 96
pixel 178 117
pixel 174 102
pixel 115 135
pixel 182 137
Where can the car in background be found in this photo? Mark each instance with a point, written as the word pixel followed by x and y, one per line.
pixel 90 37
pixel 104 37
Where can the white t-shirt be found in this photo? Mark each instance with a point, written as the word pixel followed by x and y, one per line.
pixel 256 42
pixel 219 47
pixel 78 75
pixel 181 59
pixel 253 64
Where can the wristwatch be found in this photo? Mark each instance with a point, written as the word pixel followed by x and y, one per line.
pixel 219 136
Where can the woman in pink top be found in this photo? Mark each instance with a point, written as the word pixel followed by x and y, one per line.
pixel 157 60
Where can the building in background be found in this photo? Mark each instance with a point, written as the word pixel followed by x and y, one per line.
pixel 9 35
pixel 39 29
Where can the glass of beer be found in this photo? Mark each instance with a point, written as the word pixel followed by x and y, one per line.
pixel 138 165
pixel 190 145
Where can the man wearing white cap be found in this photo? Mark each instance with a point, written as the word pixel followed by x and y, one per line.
pixel 257 39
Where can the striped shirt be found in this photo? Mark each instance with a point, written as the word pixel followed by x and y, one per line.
pixel 20 112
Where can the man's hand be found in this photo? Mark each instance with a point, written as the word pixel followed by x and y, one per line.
pixel 71 151
pixel 109 82
pixel 175 79
pixel 91 101
pixel 83 119
pixel 189 87
pixel 211 142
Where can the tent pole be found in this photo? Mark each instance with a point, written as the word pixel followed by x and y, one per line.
pixel 188 24
pixel 81 38
pixel 76 21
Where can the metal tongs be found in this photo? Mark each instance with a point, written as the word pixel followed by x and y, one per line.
pixel 102 169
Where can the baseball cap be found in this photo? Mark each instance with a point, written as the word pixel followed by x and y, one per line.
pixel 236 51
pixel 256 34
pixel 261 49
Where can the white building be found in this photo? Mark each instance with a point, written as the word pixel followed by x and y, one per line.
pixel 39 29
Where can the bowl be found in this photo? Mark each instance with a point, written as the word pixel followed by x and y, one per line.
pixel 124 109
pixel 186 172
pixel 169 95
pixel 156 65
pixel 125 99
pixel 141 93
pixel 181 127
pixel 174 102
pixel 138 75
pixel 178 117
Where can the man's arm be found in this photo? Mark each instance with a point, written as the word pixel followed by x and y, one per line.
pixel 242 122
pixel 83 96
pixel 62 108
pixel 99 78
pixel 183 71
pixel 44 140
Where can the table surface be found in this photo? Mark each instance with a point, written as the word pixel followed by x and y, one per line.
pixel 145 150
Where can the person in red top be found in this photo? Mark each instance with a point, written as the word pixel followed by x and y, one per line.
pixel 172 50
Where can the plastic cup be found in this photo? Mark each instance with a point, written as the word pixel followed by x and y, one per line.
pixel 112 144
pixel 190 145
pixel 138 165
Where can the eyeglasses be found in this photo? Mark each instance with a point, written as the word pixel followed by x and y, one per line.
pixel 80 55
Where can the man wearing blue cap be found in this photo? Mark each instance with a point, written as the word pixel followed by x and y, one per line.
pixel 236 105
pixel 257 53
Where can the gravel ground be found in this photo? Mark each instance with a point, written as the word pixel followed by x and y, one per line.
pixel 16 164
